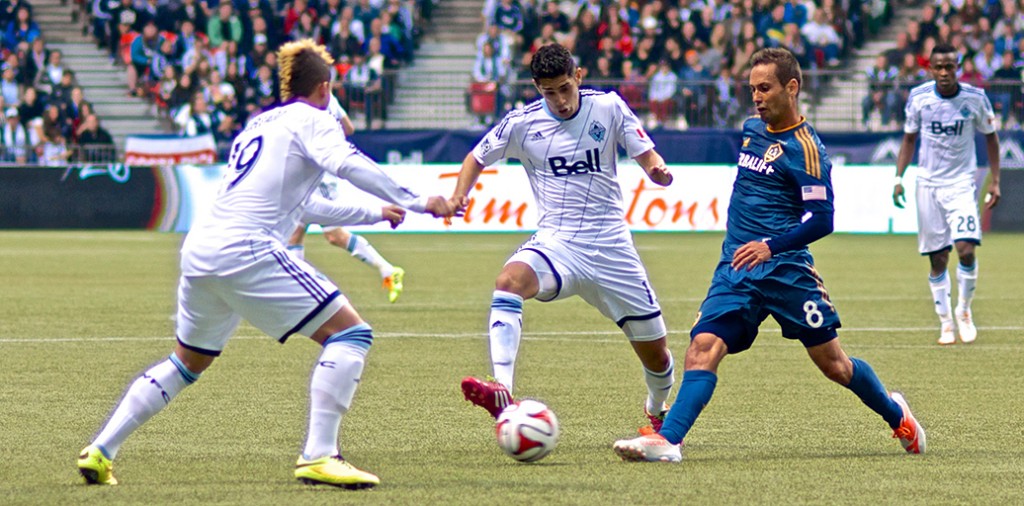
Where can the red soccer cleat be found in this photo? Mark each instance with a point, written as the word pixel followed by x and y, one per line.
pixel 490 395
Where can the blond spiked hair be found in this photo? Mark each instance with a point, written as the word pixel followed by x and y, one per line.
pixel 302 66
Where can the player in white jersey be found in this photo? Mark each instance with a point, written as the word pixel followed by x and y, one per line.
pixel 948 113
pixel 391 276
pixel 234 265
pixel 567 143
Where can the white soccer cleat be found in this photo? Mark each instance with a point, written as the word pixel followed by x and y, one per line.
pixel 946 335
pixel 965 324
pixel 910 433
pixel 650 447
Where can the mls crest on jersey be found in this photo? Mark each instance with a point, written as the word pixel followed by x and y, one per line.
pixel 597 131
pixel 773 153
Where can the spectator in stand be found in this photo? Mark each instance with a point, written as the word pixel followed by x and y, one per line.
pixel 305 28
pixel 200 120
pixel 193 11
pixel 344 43
pixel 17 143
pixel 34 60
pixel 355 24
pixel 101 21
pixel 72 106
pixel 21 29
pixel 881 92
pixel 695 90
pixel 987 61
pixel 585 31
pixel 508 18
pixel 53 119
pixel 9 87
pixel 1005 40
pixel 727 108
pixel 362 84
pixel 492 35
pixel 224 26
pixel 969 74
pixel 894 55
pixel 673 53
pixel 30 107
pixel 121 20
pixel 54 151
pixel 143 50
pixel 365 13
pixel 391 29
pixel 180 97
pixel 633 85
pixel 263 89
pixel 386 45
pixel 928 24
pixel 1005 91
pixel 96 144
pixel 661 95
pixel 645 58
pixel 294 11
pixel 554 16
pixel 718 51
pixel 823 39
pixel 489 68
pixel 910 74
pixel 52 73
pixel 771 27
pixel 797 44
pixel 622 40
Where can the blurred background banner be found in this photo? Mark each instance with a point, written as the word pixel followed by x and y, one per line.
pixel 169 149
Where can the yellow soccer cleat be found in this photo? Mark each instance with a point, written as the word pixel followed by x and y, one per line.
pixel 95 467
pixel 393 284
pixel 333 471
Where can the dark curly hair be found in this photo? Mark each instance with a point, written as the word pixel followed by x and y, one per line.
pixel 552 60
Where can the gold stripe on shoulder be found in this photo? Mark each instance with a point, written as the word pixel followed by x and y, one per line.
pixel 808 165
pixel 813 158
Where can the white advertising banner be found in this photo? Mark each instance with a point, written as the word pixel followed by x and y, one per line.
pixel 697 200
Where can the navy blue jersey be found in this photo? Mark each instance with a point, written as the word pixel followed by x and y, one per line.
pixel 782 176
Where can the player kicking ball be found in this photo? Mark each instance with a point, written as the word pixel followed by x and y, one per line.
pixel 234 265
pixel 948 112
pixel 781 202
pixel 568 143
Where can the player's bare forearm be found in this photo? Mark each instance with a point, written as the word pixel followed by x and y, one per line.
pixel 654 165
pixel 902 161
pixel 992 148
pixel 468 175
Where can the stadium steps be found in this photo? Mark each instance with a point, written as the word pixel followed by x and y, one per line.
pixel 103 84
pixel 430 92
pixel 839 106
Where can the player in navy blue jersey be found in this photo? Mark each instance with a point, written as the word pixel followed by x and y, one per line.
pixel 781 202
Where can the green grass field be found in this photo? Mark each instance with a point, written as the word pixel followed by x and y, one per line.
pixel 82 313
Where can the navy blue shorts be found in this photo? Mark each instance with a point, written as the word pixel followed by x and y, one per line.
pixel 790 290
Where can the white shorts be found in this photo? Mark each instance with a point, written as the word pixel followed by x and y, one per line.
pixel 946 215
pixel 611 279
pixel 278 294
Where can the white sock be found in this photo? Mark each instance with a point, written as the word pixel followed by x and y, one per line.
pixel 297 250
pixel 506 328
pixel 659 385
pixel 363 250
pixel 941 287
pixel 332 386
pixel 967 278
pixel 149 394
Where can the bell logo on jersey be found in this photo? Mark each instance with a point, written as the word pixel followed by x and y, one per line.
pixel 957 128
pixel 561 167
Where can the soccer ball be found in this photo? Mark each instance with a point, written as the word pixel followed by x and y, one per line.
pixel 527 430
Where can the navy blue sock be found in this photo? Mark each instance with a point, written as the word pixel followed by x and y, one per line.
pixel 868 387
pixel 694 393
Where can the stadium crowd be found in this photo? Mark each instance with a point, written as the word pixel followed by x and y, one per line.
pixel 44 114
pixel 989 37
pixel 682 62
pixel 209 65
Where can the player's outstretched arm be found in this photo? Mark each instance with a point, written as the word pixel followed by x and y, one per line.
pixel 330 214
pixel 992 148
pixel 468 175
pixel 899 199
pixel 654 166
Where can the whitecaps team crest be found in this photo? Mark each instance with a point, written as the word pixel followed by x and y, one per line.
pixel 773 153
pixel 965 112
pixel 597 131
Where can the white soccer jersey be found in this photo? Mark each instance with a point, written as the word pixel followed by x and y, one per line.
pixel 571 164
pixel 274 166
pixel 336 110
pixel 947 126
